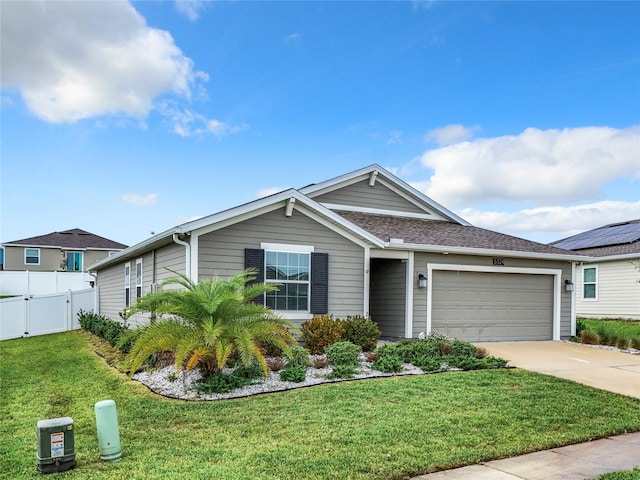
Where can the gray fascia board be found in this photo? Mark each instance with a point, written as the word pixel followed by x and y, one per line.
pixel 613 258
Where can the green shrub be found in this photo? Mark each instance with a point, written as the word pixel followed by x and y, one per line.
pixel 494 362
pixel 343 353
pixel 622 343
pixel 580 326
pixel 250 372
pixel 361 331
pixel 464 362
pixel 221 383
pixel 320 332
pixel 101 326
pixel 342 371
pixel 635 343
pixel 427 363
pixel 299 357
pixel 463 349
pixel 390 349
pixel 413 350
pixel 388 364
pixel 293 374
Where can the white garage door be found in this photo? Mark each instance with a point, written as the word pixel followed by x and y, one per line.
pixel 480 306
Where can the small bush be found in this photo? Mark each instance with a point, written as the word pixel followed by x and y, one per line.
pixel 293 374
pixel 390 349
pixel 580 327
pixel 320 362
pixel 444 348
pixel 622 343
pixel 388 364
pixel 221 383
pixel 343 353
pixel 275 364
pixel 481 352
pixel 464 362
pixel 589 338
pixel 494 362
pixel 463 349
pixel 635 343
pixel 410 351
pixel 361 331
pixel 101 326
pixel 299 357
pixel 320 332
pixel 342 371
pixel 250 372
pixel 428 364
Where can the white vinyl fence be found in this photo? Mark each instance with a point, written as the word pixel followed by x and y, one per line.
pixel 42 283
pixel 31 315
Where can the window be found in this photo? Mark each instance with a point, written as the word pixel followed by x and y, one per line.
pixel 74 261
pixel 589 283
pixel 32 256
pixel 138 278
pixel 127 284
pixel 291 270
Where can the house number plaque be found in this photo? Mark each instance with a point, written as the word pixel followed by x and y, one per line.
pixel 498 261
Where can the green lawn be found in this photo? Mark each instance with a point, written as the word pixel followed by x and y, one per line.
pixel 614 328
pixel 370 429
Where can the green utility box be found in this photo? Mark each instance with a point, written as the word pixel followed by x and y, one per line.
pixel 56 446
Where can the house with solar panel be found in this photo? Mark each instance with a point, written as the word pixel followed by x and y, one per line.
pixel 363 243
pixel 609 282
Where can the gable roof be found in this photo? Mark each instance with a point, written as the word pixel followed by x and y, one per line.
pixel 622 238
pixel 373 173
pixel 440 236
pixel 69 239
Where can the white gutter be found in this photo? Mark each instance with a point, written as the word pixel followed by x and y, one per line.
pixel 488 252
pixel 187 247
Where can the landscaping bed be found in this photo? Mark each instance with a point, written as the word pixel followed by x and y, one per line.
pixel 622 335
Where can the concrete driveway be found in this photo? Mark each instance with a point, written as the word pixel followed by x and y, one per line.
pixel 613 371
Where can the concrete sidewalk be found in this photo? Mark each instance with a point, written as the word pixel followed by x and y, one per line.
pixel 573 462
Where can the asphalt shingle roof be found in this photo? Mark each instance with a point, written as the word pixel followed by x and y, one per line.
pixel 442 233
pixel 74 238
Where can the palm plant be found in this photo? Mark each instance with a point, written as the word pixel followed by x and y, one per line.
pixel 209 321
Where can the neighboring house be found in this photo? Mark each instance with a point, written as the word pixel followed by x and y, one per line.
pixel 365 243
pixel 70 250
pixel 608 282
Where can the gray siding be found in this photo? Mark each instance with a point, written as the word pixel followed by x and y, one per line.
pixel 388 296
pixel 362 195
pixel 420 295
pixel 111 279
pixel 50 259
pixel 221 253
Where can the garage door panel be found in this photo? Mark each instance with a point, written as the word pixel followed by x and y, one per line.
pixel 480 306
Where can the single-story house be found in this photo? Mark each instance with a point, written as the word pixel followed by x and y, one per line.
pixel 69 250
pixel 364 243
pixel 609 282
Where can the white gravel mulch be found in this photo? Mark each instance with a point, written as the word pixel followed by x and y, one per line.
pixel 183 385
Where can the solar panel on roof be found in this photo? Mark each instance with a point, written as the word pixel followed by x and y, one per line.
pixel 602 237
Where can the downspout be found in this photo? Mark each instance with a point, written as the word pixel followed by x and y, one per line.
pixel 187 246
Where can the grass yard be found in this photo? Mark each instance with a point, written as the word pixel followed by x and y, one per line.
pixel 614 328
pixel 372 429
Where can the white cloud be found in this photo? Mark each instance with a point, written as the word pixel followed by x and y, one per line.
pixel 294 37
pixel 78 60
pixel 539 167
pixel 191 8
pixel 140 200
pixel 547 224
pixel 265 192
pixel 395 136
pixel 187 123
pixel 451 134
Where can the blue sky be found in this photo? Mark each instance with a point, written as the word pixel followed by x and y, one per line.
pixel 128 118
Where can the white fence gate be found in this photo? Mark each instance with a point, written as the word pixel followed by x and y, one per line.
pixel 31 315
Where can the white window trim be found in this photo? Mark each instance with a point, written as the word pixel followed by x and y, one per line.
pixel 286 248
pixel 25 255
pixel 594 299
pixel 127 284
pixel 139 262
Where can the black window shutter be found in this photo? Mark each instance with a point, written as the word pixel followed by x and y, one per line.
pixel 320 283
pixel 254 258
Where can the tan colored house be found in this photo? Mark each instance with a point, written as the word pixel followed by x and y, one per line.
pixel 609 282
pixel 364 243
pixel 70 250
